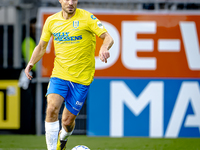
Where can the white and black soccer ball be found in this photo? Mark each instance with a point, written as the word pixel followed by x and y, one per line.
pixel 80 147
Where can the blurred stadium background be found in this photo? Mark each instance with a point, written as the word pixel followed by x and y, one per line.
pixel 22 104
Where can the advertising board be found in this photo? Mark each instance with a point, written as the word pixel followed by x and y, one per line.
pixel 9 104
pixel 151 83
pixel 144 107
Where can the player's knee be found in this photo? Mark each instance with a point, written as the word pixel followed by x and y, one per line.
pixel 52 111
pixel 68 122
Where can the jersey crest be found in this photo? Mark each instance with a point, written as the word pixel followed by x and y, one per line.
pixel 75 24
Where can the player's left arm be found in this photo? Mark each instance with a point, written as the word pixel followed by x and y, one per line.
pixel 107 44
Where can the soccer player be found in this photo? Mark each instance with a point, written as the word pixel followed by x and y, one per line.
pixel 74 32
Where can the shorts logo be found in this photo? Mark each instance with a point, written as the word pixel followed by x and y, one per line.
pixel 79 103
pixel 75 24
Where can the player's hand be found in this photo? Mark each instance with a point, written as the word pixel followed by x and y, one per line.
pixel 27 70
pixel 104 54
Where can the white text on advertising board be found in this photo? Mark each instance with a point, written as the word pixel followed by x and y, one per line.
pixel 153 94
pixel 131 45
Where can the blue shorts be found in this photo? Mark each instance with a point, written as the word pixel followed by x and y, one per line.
pixel 74 94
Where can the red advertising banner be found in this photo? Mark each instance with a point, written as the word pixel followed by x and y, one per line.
pixel 146 45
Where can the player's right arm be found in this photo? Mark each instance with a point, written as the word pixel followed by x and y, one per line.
pixel 40 49
pixel 38 52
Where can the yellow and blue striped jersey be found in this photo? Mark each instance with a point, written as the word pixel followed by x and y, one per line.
pixel 74 43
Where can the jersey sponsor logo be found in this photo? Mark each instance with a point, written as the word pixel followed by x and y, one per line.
pixel 75 24
pixel 58 23
pixel 93 17
pixel 64 36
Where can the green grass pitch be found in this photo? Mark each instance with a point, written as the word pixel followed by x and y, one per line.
pixel 33 142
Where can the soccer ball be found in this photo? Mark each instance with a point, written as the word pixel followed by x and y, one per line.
pixel 80 147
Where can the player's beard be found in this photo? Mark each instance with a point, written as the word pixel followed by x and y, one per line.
pixel 69 11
